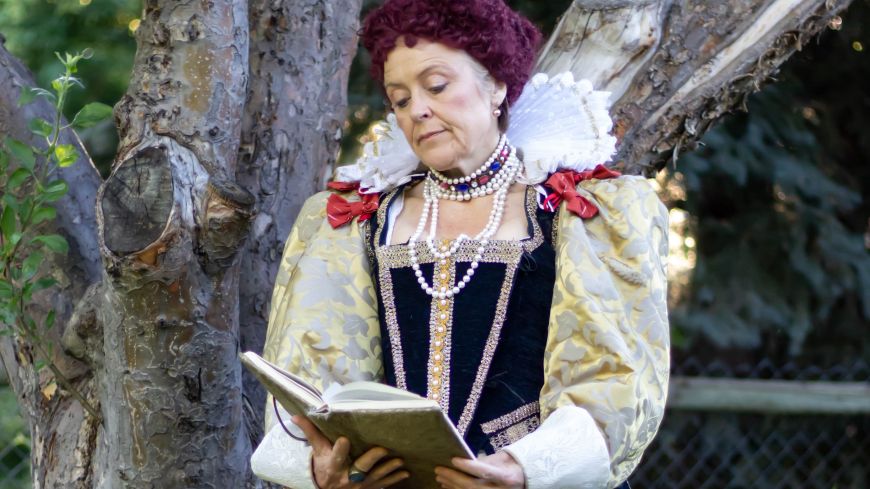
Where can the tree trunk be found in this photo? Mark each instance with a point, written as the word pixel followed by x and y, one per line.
pixel 225 92
pixel 297 98
pixel 675 67
pixel 171 220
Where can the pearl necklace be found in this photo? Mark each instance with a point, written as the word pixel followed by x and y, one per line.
pixel 483 181
pixel 432 193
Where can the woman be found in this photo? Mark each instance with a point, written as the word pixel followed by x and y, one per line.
pixel 520 286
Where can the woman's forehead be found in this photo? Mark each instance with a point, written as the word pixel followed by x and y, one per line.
pixel 407 63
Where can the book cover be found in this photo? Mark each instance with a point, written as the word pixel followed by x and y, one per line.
pixel 370 414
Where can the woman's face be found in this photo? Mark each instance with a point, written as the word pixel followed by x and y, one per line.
pixel 444 102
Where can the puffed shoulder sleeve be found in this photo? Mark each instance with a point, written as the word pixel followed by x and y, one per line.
pixel 323 321
pixel 323 325
pixel 608 350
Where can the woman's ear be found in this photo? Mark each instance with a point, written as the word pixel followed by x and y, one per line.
pixel 499 93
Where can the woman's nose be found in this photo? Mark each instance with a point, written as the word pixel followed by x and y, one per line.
pixel 420 110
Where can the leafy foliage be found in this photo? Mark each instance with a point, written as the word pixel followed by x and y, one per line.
pixel 778 204
pixel 28 188
pixel 35 29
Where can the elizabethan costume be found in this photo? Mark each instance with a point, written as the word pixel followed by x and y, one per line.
pixel 557 350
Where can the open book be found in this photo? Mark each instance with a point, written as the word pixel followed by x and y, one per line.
pixel 370 414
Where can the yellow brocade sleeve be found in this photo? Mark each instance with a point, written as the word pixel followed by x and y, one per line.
pixel 608 349
pixel 323 321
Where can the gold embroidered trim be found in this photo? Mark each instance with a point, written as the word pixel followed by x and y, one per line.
pixel 514 433
pixel 386 279
pixel 440 334
pixel 499 251
pixel 511 418
pixel 507 252
pixel 491 343
pixel 366 229
pixel 555 230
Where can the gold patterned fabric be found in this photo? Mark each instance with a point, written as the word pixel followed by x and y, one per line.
pixel 323 321
pixel 609 345
pixel 608 341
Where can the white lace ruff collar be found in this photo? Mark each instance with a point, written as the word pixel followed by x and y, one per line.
pixel 558 123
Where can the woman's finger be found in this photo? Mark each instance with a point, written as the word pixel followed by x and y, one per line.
pixel 366 461
pixel 392 479
pixel 318 442
pixel 383 469
pixel 340 452
pixel 477 469
pixel 454 478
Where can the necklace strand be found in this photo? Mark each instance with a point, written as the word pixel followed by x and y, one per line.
pixel 483 181
pixel 432 193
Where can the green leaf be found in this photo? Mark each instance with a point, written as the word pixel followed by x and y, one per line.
pixel 6 289
pixel 4 160
pixel 53 242
pixel 24 211
pixel 27 95
pixel 49 319
pixel 39 364
pixel 21 152
pixel 18 177
pixel 43 213
pixel 31 265
pixel 41 92
pixel 57 85
pixel 55 190
pixel 43 283
pixel 91 114
pixel 8 223
pixel 66 155
pixel 7 316
pixel 75 80
pixel 40 126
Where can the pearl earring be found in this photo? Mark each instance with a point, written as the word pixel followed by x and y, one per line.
pixel 496 112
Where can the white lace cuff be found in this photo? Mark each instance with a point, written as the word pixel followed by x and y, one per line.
pixel 567 451
pixel 283 460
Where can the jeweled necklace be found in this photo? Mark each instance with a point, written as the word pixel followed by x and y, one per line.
pixel 432 193
pixel 483 181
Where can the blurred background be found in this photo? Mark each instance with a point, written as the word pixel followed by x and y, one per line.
pixel 769 266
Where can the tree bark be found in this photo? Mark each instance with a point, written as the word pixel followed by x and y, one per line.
pixel 62 436
pixel 675 67
pixel 297 98
pixel 161 329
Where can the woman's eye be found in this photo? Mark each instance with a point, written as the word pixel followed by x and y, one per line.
pixel 438 88
pixel 402 103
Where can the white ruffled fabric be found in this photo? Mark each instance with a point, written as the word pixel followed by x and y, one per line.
pixel 567 451
pixel 283 460
pixel 387 162
pixel 558 122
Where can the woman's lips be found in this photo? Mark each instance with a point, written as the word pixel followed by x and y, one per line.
pixel 428 135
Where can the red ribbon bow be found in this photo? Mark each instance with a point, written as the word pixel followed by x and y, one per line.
pixel 564 185
pixel 340 212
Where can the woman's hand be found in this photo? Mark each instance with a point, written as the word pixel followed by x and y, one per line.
pixel 499 470
pixel 331 463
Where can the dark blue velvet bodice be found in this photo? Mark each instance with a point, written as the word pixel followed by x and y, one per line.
pixel 497 333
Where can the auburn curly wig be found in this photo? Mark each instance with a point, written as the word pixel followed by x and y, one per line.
pixel 501 40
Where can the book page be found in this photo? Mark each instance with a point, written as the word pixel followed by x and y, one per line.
pixel 368 391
